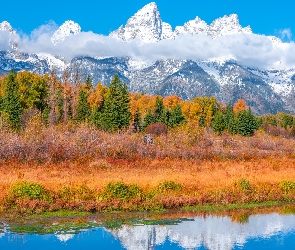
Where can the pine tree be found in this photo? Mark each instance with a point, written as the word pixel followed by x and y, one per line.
pixel 88 83
pixel 176 117
pixel 233 125
pixel 137 121
pixel 247 123
pixel 83 108
pixel 160 115
pixel 148 119
pixel 11 101
pixel 116 107
pixel 96 117
pixel 218 123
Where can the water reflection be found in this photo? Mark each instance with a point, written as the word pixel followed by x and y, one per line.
pixel 197 232
pixel 212 232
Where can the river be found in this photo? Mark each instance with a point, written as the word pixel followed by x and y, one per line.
pixel 241 229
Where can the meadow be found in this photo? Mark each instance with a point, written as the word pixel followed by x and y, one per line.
pixel 81 168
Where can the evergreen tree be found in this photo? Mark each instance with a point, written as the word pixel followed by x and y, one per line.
pixel 116 108
pixel 88 83
pixel 137 122
pixel 96 117
pixel 247 123
pixel 233 125
pixel 176 117
pixel 160 115
pixel 11 101
pixel 148 119
pixel 83 107
pixel 229 114
pixel 219 123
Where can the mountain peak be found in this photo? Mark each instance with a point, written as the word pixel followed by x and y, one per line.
pixel 227 25
pixel 6 26
pixel 68 28
pixel 145 25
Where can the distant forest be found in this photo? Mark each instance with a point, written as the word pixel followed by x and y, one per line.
pixel 25 96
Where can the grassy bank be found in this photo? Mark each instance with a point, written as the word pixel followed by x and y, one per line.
pixel 109 184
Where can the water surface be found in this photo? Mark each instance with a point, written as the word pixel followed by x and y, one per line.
pixel 238 230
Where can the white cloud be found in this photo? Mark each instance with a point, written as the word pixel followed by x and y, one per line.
pixel 285 34
pixel 248 49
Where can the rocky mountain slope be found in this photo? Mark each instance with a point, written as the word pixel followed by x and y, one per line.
pixel 265 91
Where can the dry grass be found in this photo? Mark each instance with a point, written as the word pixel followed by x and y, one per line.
pixel 211 169
pixel 195 176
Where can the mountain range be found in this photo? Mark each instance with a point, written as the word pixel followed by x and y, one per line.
pixel 266 90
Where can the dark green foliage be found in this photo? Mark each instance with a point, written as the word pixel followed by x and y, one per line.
pixel 218 123
pixel 229 114
pixel 119 190
pixel 88 83
pixel 247 123
pixel 160 114
pixel 137 121
pixel 116 111
pixel 148 119
pixel 175 116
pixel 96 117
pixel 11 101
pixel 83 107
pixel 233 125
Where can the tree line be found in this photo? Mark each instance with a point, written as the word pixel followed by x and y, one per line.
pixel 113 108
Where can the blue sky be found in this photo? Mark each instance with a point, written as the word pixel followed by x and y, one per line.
pixel 264 17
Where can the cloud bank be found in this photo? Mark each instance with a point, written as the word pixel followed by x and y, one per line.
pixel 247 49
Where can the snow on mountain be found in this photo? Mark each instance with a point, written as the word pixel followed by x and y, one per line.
pixel 6 26
pixel 67 29
pixel 146 26
pixel 227 25
pixel 196 26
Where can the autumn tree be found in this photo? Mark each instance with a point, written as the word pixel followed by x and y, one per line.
pixel 240 105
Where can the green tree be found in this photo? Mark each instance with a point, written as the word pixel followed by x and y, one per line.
pixel 88 83
pixel 83 108
pixel 218 123
pixel 11 101
pixel 247 123
pixel 116 107
pixel 160 114
pixel 148 119
pixel 137 121
pixel 176 116
pixel 96 117
pixel 233 125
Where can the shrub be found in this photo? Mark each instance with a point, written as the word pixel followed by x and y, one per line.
pixel 26 190
pixel 119 190
pixel 157 128
pixel 245 185
pixel 287 186
pixel 169 186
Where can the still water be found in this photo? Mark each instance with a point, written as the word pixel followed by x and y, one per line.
pixel 238 230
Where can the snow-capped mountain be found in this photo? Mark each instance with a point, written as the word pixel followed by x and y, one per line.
pixel 5 26
pixel 146 26
pixel 265 90
pixel 67 29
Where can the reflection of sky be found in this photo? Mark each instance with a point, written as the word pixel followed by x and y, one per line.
pixel 270 231
pixel 212 232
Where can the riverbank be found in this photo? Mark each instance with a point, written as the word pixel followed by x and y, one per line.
pixel 107 185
